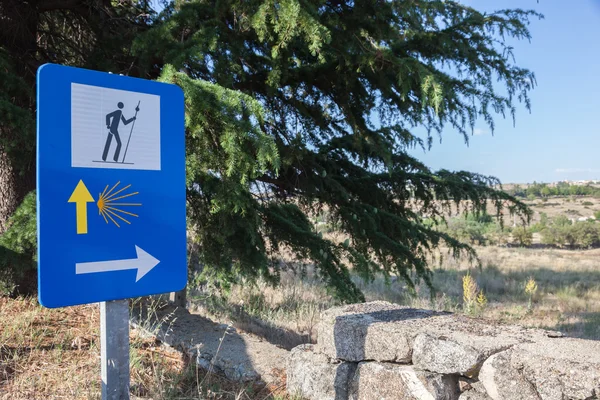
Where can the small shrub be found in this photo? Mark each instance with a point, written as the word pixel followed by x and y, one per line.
pixel 469 293
pixel 481 301
pixel 562 220
pixel 586 235
pixel 474 300
pixel 467 229
pixel 531 288
pixel 544 219
pixel 496 235
pixel 522 236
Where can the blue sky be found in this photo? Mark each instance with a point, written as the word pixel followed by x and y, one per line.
pixel 560 138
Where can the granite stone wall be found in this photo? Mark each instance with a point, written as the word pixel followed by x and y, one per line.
pixel 378 350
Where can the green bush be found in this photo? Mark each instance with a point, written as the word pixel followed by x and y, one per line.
pixel 465 230
pixel 550 236
pixel 476 229
pixel 563 232
pixel 541 225
pixel 562 220
pixel 586 234
pixel 473 229
pixel 558 236
pixel 522 236
pixel 496 235
pixel 18 251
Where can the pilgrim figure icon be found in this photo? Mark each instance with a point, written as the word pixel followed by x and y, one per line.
pixel 112 124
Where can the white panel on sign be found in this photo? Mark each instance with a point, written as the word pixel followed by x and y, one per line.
pixel 113 128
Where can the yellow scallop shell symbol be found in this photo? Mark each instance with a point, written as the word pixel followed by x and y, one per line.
pixel 111 204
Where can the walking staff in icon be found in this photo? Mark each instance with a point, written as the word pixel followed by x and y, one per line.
pixel 112 124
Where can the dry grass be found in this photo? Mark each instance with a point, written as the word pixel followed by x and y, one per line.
pixel 285 315
pixel 55 354
pixel 42 349
pixel 568 288
pixel 567 296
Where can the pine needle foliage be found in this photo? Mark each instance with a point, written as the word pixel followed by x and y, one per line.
pixel 297 106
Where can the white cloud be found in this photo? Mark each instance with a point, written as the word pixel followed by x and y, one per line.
pixel 478 132
pixel 570 170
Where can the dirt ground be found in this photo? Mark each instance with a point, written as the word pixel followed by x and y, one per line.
pixel 221 348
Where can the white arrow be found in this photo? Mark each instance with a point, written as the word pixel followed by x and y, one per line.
pixel 143 263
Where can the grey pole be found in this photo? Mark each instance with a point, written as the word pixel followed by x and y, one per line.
pixel 114 347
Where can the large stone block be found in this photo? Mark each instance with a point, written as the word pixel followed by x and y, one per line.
pixel 433 341
pixel 502 381
pixel 550 369
pixel 315 377
pixel 382 381
pixel 378 331
pixel 457 352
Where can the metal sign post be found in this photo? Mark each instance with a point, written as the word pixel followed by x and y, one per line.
pixel 114 348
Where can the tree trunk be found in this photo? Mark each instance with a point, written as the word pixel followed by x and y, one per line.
pixel 18 35
pixel 9 199
pixel 13 188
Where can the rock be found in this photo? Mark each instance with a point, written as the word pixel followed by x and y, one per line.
pixel 450 357
pixel 550 369
pixel 570 366
pixel 464 384
pixel 456 353
pixel 434 341
pixel 313 376
pixel 474 395
pixel 444 355
pixel 378 381
pixel 224 366
pixel 377 330
pixel 502 381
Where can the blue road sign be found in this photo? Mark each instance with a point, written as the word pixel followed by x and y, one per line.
pixel 110 187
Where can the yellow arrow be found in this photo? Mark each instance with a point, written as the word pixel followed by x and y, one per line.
pixel 81 196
